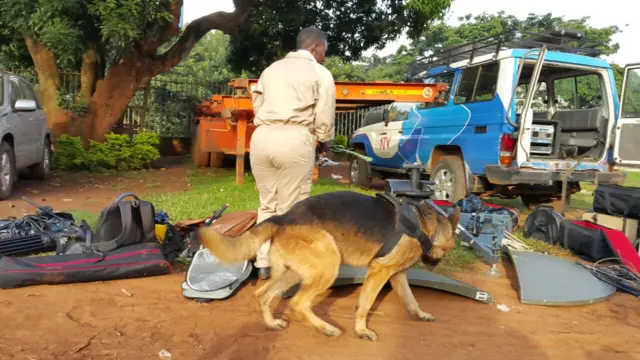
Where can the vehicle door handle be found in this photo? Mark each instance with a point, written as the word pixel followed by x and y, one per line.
pixel 384 133
pixel 400 132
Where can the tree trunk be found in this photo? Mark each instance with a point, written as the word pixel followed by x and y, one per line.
pixel 49 83
pixel 88 75
pixel 112 97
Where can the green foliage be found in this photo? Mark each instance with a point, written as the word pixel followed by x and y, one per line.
pixel 340 140
pixel 70 155
pixel 441 35
pixel 69 27
pixel 352 26
pixel 208 60
pixel 118 152
pixel 67 101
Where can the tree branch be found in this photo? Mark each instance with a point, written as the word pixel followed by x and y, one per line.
pixel 170 30
pixel 226 22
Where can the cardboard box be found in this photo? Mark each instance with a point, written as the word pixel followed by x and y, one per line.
pixel 628 226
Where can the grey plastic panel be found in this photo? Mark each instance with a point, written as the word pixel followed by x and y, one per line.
pixel 553 281
pixel 417 277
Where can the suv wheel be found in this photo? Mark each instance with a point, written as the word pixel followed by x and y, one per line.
pixel 41 171
pixel 7 170
pixel 449 179
pixel 359 172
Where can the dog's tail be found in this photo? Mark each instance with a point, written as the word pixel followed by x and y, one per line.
pixel 231 249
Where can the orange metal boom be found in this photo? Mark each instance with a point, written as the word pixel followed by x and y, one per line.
pixel 224 124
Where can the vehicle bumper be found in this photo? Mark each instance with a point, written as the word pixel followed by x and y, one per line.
pixel 500 175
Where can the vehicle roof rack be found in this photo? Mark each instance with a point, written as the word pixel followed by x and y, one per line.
pixel 557 38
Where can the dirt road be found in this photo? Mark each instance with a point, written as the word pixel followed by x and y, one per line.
pixel 101 321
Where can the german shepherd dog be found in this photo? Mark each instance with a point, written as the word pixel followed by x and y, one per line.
pixel 312 239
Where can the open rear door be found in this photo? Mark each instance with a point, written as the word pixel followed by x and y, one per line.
pixel 523 143
pixel 626 149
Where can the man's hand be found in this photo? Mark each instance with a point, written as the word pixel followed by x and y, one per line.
pixel 322 148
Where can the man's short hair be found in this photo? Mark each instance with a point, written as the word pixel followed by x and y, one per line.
pixel 310 36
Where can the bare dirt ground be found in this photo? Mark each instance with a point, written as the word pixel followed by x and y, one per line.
pixel 101 321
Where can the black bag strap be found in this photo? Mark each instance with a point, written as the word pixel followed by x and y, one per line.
pixel 126 215
pixel 147 213
pixel 124 195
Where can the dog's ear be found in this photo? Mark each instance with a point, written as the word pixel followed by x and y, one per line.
pixel 427 211
pixel 454 218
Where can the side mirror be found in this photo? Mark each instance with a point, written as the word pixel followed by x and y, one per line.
pixel 385 117
pixel 25 105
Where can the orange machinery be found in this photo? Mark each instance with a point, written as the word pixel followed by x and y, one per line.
pixel 224 123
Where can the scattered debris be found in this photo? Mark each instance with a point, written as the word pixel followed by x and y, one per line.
pixel 336 177
pixel 126 292
pixel 79 347
pixel 164 354
pixel 503 307
pixel 67 200
pixel 33 294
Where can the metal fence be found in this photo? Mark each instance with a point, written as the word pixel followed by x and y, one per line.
pixel 167 105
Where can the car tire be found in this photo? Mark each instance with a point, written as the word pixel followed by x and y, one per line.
pixel 7 170
pixel 359 171
pixel 450 173
pixel 42 170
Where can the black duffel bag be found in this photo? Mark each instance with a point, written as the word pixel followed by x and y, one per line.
pixel 617 200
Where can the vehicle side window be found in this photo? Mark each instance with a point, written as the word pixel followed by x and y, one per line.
pixel 578 92
pixel 631 103
pixel 15 91
pixel 400 111
pixel 478 83
pixel 446 78
pixel 27 91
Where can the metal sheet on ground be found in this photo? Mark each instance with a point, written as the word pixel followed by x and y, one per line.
pixel 553 281
pixel 417 277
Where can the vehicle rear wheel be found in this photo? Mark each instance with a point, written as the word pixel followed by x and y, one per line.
pixel 359 171
pixel 41 171
pixel 7 170
pixel 449 179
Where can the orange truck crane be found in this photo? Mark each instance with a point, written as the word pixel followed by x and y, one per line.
pixel 224 123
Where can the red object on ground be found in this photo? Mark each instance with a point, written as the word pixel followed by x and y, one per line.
pixel 619 244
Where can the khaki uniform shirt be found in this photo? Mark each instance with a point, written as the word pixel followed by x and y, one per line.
pixel 297 90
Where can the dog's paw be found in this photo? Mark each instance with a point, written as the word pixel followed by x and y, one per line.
pixel 278 324
pixel 331 331
pixel 367 334
pixel 425 316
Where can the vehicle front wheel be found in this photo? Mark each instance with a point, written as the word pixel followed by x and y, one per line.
pixel 359 172
pixel 41 171
pixel 7 170
pixel 450 181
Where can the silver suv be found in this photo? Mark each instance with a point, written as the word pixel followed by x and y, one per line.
pixel 25 134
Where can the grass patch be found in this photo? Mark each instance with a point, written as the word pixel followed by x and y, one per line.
pixel 89 217
pixel 457 259
pixel 211 188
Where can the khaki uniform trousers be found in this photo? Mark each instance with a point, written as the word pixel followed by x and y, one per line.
pixel 282 162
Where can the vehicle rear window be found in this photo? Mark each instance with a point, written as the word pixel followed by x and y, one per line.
pixel 578 92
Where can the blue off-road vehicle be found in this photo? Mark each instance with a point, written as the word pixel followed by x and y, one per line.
pixel 515 121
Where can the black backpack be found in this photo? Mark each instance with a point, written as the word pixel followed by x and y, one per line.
pixel 124 223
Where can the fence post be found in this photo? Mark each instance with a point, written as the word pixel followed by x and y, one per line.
pixel 145 108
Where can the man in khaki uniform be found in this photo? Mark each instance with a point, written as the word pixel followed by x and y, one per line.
pixel 294 103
